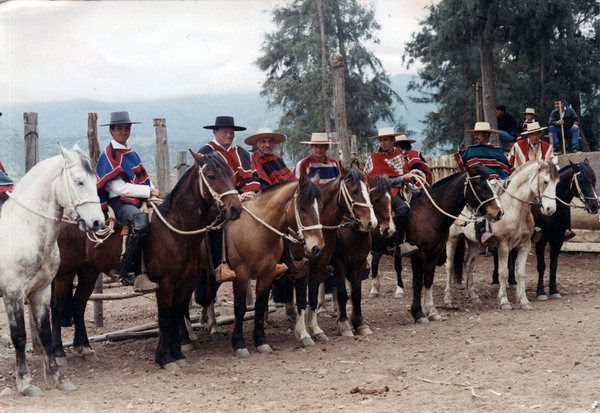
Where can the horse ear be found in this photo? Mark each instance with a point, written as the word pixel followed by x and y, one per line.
pixel 355 164
pixel 343 170
pixel 198 157
pixel 66 154
pixel 316 178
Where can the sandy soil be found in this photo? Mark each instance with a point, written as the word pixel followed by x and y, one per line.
pixel 477 359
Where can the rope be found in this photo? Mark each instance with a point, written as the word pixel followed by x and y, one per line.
pixel 275 230
pixel 209 227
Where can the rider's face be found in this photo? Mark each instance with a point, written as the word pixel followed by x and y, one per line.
pixel 482 138
pixel 266 145
pixel 120 133
pixel 387 143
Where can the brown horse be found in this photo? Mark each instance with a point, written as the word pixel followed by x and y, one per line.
pixel 254 246
pixel 350 258
pixel 171 258
pixel 346 197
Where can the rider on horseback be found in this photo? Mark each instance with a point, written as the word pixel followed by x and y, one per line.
pixel 490 156
pixel 123 184
pixel 395 163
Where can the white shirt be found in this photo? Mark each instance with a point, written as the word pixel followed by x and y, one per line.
pixel 120 187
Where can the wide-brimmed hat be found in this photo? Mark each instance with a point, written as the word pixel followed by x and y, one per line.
pixel 319 138
pixel 264 133
pixel 530 111
pixel 383 132
pixel 402 138
pixel 533 127
pixel 481 127
pixel 224 122
pixel 119 118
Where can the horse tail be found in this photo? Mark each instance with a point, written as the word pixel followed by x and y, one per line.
pixel 459 259
pixel 283 289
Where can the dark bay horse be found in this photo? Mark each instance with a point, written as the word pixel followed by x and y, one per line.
pixel 428 227
pixel 254 245
pixel 171 258
pixel 576 181
pixel 352 248
pixel 347 198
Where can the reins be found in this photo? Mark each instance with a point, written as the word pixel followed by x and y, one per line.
pixel 537 200
pixel 579 195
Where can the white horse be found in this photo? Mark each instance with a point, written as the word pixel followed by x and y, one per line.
pixel 532 183
pixel 29 256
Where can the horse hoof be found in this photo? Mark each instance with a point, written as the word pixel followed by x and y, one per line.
pixel 321 338
pixel 172 366
pixel 217 335
pixel 475 300
pixel 187 347
pixel 399 292
pixel 449 306
pixel 422 320
pixel 556 296
pixel 182 363
pixel 513 287
pixel 91 357
pixel 346 333
pixel 373 294
pixel 460 286
pixel 307 342
pixel 364 330
pixel 264 348
pixel 61 361
pixel 32 391
pixel 542 297
pixel 495 286
pixel 242 353
pixel 66 385
pixel 505 307
pixel 435 317
pixel 526 307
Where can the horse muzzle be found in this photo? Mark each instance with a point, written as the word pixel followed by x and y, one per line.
pixel 233 212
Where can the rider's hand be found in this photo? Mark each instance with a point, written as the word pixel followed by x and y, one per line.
pixel 154 193
pixel 246 196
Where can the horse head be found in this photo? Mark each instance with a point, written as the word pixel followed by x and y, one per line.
pixel 77 190
pixel 307 199
pixel 353 190
pixel 545 186
pixel 380 193
pixel 583 185
pixel 216 183
pixel 479 193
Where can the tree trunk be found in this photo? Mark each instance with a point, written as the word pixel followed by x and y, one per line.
pixel 488 81
pixel 339 106
pixel 324 94
pixel 542 105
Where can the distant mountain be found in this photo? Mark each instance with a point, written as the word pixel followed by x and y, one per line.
pixel 66 122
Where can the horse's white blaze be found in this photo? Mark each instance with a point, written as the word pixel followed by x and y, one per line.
pixel 496 201
pixel 365 193
pixel 391 225
pixel 549 197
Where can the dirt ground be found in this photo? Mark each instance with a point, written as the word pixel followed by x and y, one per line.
pixel 477 359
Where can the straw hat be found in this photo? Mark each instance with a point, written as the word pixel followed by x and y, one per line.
pixel 402 138
pixel 264 133
pixel 386 132
pixel 481 127
pixel 532 128
pixel 319 138
pixel 530 111
pixel 119 118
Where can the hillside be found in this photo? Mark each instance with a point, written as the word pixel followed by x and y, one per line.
pixel 66 122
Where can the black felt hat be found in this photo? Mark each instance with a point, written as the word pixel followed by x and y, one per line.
pixel 224 122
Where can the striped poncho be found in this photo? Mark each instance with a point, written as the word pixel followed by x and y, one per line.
pixel 328 170
pixel 6 184
pixel 124 163
pixel 270 168
pixel 245 178
pixel 490 156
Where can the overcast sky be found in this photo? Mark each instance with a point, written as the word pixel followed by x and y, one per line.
pixel 121 50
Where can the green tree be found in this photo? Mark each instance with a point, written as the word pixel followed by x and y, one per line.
pixel 292 57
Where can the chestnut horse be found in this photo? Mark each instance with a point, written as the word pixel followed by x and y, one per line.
pixel 346 197
pixel 350 258
pixel 431 214
pixel 171 256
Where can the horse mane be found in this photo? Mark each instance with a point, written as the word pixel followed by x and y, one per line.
pixel 308 194
pixel 85 160
pixel 213 161
pixel 381 185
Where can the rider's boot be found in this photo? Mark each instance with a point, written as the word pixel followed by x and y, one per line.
pixel 131 268
pixel 403 248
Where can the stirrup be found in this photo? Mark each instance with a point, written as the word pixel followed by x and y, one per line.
pixel 224 273
pixel 143 284
pixel 280 268
pixel 407 249
pixel 489 239
pixel 569 235
pixel 128 279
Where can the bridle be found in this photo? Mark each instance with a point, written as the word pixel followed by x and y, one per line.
pixel 73 201
pixel 579 193
pixel 481 202
pixel 344 193
pixel 216 196
pixel 538 196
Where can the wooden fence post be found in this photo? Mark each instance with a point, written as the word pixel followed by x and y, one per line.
pixel 339 106
pixel 161 155
pixel 182 165
pixel 32 151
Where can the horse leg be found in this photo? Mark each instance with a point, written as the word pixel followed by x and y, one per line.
pixel 428 305
pixel 359 324
pixel 298 317
pixel 398 268
pixel 512 257
pixel 472 254
pixel 503 252
pixel 62 290
pixel 14 302
pixel 189 339
pixel 495 281
pixel 554 251
pixel 375 284
pixel 540 247
pixel 261 306
pixel 162 355
pixel 178 325
pixel 321 302
pixel 520 262
pixel 418 275
pixel 86 282
pixel 240 285
pixel 450 250
pixel 341 296
pixel 39 307
pixel 313 324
